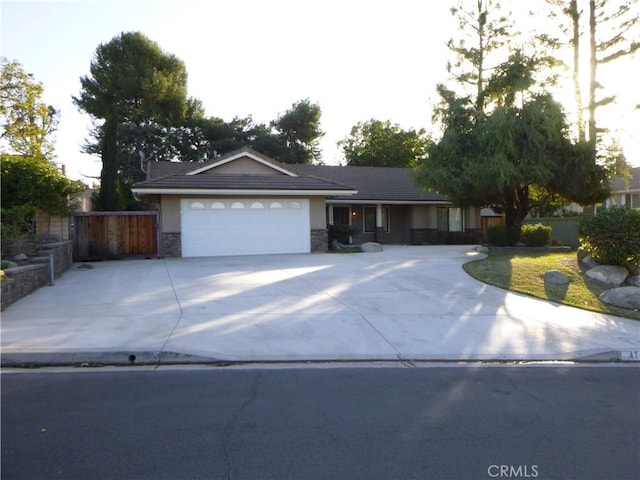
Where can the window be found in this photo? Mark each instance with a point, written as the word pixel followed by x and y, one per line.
pixel 237 205
pixel 276 205
pixel 196 206
pixel 294 205
pixel 370 219
pixel 217 206
pixel 632 200
pixel 257 205
pixel 450 219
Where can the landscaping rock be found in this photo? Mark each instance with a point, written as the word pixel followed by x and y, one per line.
pixel 20 257
pixel 555 277
pixel 609 274
pixel 623 297
pixel 482 249
pixel 634 280
pixel 369 247
pixel 589 262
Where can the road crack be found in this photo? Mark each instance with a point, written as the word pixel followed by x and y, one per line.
pixel 232 422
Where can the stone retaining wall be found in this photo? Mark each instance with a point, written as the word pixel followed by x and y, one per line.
pixel 25 279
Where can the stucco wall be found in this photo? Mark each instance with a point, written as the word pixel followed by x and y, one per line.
pixel 245 166
pixel 317 212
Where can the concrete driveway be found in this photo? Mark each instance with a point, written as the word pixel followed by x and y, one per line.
pixel 406 303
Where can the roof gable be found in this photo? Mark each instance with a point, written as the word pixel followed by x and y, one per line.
pixel 241 157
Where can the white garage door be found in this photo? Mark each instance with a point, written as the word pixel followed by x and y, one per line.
pixel 244 226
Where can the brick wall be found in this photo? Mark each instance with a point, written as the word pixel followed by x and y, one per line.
pixel 319 240
pixel 172 244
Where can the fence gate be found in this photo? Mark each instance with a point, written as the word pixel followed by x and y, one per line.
pixel 115 235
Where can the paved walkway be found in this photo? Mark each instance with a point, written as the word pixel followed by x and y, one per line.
pixel 406 303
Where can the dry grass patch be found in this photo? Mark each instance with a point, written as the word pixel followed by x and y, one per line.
pixel 524 273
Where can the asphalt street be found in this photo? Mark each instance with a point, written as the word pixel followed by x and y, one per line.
pixel 384 422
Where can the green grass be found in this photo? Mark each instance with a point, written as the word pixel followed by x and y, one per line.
pixel 524 273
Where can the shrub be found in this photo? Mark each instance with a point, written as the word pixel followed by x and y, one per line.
pixel 612 237
pixel 537 235
pixel 503 235
pixel 341 233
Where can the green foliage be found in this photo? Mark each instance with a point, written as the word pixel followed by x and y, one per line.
pixel 29 184
pixel 341 233
pixel 381 144
pixel 299 133
pixel 503 235
pixel 537 235
pixel 612 236
pixel 133 86
pixel 26 121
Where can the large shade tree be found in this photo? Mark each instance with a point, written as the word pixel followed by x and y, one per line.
pixel 520 144
pixel 27 122
pixel 30 180
pixel 133 85
pixel 382 144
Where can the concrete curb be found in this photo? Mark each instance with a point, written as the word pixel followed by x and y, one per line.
pixel 127 358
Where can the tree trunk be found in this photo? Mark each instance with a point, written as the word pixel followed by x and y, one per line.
pixel 575 18
pixel 593 65
pixel 109 199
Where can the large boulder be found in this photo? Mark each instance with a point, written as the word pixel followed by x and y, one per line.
pixel 609 274
pixel 634 280
pixel 555 277
pixel 623 297
pixel 369 247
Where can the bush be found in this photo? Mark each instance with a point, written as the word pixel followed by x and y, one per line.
pixel 341 233
pixel 503 235
pixel 612 237
pixel 537 235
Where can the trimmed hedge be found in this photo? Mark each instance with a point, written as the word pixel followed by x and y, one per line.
pixel 537 235
pixel 503 235
pixel 612 237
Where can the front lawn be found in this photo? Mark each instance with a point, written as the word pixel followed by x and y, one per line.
pixel 524 273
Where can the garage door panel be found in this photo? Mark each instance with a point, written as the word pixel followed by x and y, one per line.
pixel 244 226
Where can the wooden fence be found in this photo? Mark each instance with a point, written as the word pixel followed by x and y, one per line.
pixel 115 235
pixel 487 222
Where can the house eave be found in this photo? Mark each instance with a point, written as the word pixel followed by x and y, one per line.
pixel 242 192
pixel 338 201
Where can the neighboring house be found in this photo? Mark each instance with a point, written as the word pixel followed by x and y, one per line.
pixel 625 191
pixel 246 203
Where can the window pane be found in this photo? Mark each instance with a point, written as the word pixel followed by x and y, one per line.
pixel 217 206
pixel 276 205
pixel 196 206
pixel 237 205
pixel 455 219
pixel 257 205
pixel 443 219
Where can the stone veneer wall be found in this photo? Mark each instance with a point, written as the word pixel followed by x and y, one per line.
pixel 319 240
pixel 172 244
pixel 379 235
pixel 23 280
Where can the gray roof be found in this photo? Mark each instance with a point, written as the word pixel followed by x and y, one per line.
pixel 173 175
pixel 625 184
pixel 374 183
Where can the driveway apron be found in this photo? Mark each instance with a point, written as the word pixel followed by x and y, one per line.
pixel 405 303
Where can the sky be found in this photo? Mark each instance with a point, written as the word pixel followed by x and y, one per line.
pixel 358 59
